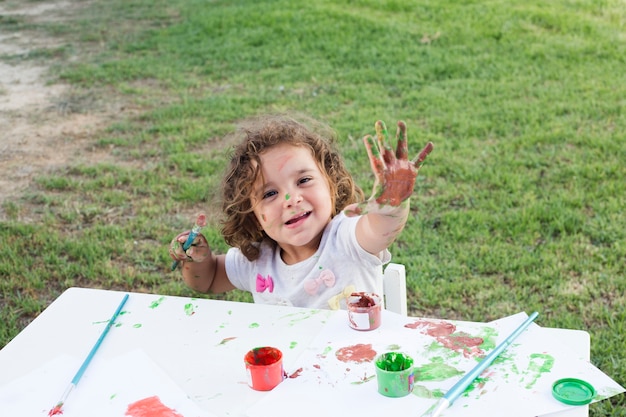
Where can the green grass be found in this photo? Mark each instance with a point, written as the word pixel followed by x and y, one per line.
pixel 520 207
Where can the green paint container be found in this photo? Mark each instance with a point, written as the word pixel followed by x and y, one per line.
pixel 395 374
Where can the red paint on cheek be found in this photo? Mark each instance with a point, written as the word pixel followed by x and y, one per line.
pixel 150 407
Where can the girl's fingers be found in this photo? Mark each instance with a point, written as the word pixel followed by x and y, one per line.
pixel 419 159
pixel 373 151
pixel 402 150
pixel 383 142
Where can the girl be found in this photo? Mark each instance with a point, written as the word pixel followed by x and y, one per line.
pixel 299 230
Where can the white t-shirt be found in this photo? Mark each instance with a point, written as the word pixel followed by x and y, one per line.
pixel 339 267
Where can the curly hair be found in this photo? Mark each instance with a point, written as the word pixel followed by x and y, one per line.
pixel 240 228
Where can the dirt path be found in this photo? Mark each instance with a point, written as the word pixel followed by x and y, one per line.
pixel 42 125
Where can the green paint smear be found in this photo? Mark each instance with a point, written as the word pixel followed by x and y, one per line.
pixel 287 197
pixel 300 316
pixel 393 347
pixel 157 303
pixel 136 326
pixel 292 345
pixel 189 310
pixel 489 339
pixel 364 380
pixel 253 325
pixel 423 392
pixel 437 370
pixel 475 383
pixel 326 351
pixel 539 363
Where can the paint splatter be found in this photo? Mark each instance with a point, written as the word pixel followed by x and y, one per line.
pixel 189 309
pixel 287 197
pixel 137 325
pixel 364 379
pixel 253 325
pixel 293 345
pixel 326 351
pixel 539 363
pixel 295 318
pixel 150 407
pixel 423 392
pixel 437 370
pixel 226 340
pixel 445 333
pixel 157 302
pixel 357 353
pixel 56 410
pixel 294 374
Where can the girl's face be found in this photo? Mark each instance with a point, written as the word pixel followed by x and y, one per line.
pixel 293 205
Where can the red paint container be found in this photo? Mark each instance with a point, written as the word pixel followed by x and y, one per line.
pixel 364 310
pixel 264 366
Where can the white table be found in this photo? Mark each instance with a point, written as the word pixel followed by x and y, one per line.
pixel 197 343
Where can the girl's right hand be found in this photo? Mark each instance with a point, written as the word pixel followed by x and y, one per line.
pixel 197 252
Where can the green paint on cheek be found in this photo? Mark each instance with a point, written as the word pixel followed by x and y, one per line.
pixel 287 197
pixel 136 326
pixel 292 345
pixel 253 325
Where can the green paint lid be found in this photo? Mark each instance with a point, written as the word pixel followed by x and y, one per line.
pixel 573 391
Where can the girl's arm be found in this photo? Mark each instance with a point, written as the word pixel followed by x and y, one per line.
pixel 385 213
pixel 202 270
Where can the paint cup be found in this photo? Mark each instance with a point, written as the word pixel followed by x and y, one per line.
pixel 264 366
pixel 395 374
pixel 364 310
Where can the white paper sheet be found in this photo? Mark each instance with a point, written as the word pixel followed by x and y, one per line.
pixel 110 388
pixel 519 380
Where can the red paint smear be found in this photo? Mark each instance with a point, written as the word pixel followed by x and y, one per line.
pixel 357 353
pixel 150 407
pixel 434 329
pixel 56 410
pixel 445 333
pixel 296 373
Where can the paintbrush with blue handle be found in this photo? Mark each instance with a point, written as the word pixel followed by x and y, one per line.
pixel 197 227
pixel 57 409
pixel 458 388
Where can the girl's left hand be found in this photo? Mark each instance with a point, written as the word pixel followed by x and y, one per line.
pixel 395 174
